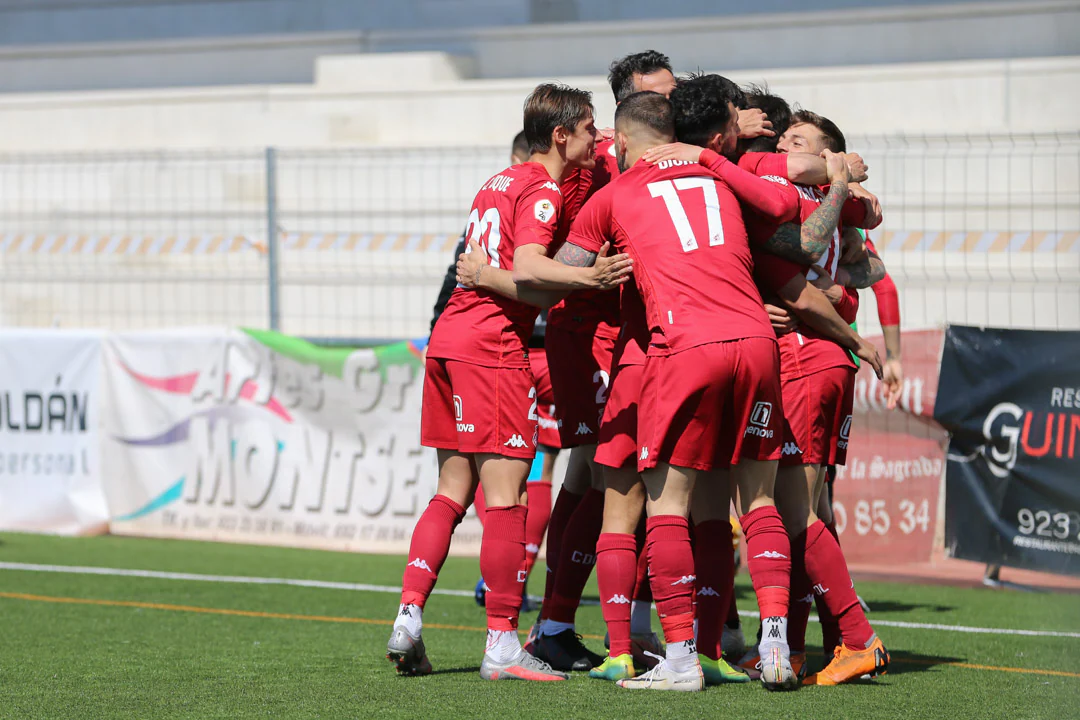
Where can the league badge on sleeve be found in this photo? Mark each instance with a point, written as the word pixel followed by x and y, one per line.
pixel 544 210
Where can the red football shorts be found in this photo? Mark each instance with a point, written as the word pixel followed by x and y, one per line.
pixel 619 428
pixel 817 417
pixel 545 399
pixel 712 405
pixel 580 365
pixel 475 409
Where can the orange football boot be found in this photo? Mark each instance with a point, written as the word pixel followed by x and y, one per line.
pixel 848 665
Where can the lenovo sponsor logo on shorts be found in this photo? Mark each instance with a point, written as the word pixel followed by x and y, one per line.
pixel 462 427
pixel 515 441
pixel 845 430
pixel 759 420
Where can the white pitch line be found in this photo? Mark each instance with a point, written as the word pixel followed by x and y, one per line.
pixel 363 587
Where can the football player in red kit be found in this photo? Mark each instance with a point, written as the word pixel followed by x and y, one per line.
pixel 710 382
pixel 479 396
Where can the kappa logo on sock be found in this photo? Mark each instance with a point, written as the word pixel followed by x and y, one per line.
pixel 421 563
pixel 808 599
pixel 685 580
pixel 774 633
pixel 514 441
pixel 619 600
pixel 405 612
pixel 708 592
pixel 583 429
pixel 772 555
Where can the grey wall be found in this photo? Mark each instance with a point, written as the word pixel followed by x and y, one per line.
pixel 78 21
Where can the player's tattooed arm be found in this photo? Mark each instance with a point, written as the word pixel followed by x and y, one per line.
pixel 806 244
pixel 568 270
pixel 575 255
pixel 861 267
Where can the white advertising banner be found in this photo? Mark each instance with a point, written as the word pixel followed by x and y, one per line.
pixel 49 416
pixel 251 436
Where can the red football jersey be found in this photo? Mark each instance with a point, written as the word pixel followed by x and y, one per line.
pixel 683 227
pixel 633 340
pixel 588 310
pixel 519 206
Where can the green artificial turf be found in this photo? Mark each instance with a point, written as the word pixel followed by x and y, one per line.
pixel 76 660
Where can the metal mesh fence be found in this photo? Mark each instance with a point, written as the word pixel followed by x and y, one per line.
pixel 978 230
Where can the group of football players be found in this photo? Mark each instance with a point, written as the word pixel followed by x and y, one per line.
pixel 701 263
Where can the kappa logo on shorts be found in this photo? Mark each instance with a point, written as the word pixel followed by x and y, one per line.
pixel 708 592
pixel 791 448
pixel 845 430
pixel 760 417
pixel 808 599
pixel 583 429
pixel 644 453
pixel 515 441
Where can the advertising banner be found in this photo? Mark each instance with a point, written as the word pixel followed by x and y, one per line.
pixel 1011 399
pixel 252 436
pixel 886 498
pixel 49 414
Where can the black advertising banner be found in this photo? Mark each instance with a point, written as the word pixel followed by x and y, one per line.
pixel 1011 400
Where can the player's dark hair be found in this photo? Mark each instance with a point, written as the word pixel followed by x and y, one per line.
pixel 621 73
pixel 652 110
pixel 778 110
pixel 520 148
pixel 834 139
pixel 552 105
pixel 700 103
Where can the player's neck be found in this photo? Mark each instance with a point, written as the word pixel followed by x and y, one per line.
pixel 554 162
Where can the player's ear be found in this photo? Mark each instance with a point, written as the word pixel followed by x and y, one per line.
pixel 716 142
pixel 560 135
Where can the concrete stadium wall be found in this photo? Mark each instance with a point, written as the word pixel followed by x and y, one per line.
pixel 411 100
pixel 33 21
pixel 733 36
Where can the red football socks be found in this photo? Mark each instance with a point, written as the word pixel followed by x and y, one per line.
pixel 830 629
pixel 502 559
pixel 768 558
pixel 671 566
pixel 565 504
pixel 479 504
pixel 616 573
pixel 828 572
pixel 577 556
pixel 428 548
pixel 714 565
pixel 536 521
pixel 801 596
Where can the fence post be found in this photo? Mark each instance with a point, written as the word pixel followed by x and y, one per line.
pixel 272 279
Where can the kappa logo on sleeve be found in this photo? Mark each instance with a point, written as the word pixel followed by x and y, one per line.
pixel 544 210
pixel 775 179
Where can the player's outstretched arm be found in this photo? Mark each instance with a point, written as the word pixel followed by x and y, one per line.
pixel 572 268
pixel 809 169
pixel 815 310
pixel 473 271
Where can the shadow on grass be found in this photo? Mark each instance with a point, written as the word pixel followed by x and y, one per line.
pixel 457 671
pixel 882 606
